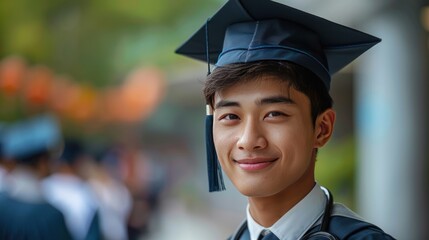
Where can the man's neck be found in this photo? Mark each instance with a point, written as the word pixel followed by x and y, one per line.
pixel 268 210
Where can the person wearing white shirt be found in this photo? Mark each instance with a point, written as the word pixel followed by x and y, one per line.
pixel 73 196
pixel 269 111
pixel 32 145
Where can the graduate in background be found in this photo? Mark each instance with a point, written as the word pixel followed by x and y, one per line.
pixel 3 170
pixel 270 111
pixel 6 165
pixel 24 213
pixel 113 197
pixel 69 193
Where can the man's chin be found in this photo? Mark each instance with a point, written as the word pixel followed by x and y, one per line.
pixel 254 190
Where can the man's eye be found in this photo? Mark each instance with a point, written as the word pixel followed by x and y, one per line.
pixel 229 117
pixel 275 114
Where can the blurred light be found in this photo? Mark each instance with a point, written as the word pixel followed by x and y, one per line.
pixel 135 99
pixel 38 86
pixel 425 18
pixel 83 106
pixel 12 71
pixel 62 95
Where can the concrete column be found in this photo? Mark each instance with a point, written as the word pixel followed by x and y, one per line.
pixel 392 124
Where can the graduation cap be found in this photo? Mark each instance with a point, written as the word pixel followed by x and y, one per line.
pixel 244 31
pixel 26 139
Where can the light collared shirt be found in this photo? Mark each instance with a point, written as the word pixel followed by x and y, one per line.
pixel 74 198
pixel 2 178
pixel 297 221
pixel 23 184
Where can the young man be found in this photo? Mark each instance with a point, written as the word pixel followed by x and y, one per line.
pixel 269 95
pixel 25 214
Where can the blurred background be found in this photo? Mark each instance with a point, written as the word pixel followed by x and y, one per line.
pixel 107 70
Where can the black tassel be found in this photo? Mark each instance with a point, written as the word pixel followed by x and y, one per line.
pixel 214 170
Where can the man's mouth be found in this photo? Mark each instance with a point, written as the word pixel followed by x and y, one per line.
pixel 255 164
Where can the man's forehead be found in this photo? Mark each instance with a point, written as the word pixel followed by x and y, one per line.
pixel 282 84
pixel 267 86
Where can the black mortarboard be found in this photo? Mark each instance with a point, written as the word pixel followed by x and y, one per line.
pixel 31 137
pixel 251 30
pixel 254 30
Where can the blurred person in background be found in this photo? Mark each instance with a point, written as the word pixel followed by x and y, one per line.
pixel 113 198
pixel 144 176
pixel 5 164
pixel 67 191
pixel 3 170
pixel 25 214
pixel 269 113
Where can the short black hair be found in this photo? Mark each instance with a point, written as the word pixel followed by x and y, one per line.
pixel 295 75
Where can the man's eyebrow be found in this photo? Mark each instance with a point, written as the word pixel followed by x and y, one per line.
pixel 275 99
pixel 225 103
pixel 268 100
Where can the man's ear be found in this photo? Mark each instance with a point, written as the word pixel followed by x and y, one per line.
pixel 324 127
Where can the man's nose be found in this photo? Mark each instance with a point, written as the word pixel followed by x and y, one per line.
pixel 251 136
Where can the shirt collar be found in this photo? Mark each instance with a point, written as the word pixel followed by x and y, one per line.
pixel 297 221
pixel 2 178
pixel 24 185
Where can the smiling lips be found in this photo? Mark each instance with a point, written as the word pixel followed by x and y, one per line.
pixel 254 164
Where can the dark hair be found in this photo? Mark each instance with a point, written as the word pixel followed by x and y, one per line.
pixel 73 149
pixel 295 75
pixel 34 158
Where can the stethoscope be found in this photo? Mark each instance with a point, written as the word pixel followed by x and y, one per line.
pixel 321 234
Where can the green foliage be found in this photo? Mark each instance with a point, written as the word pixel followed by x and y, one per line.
pixel 98 41
pixel 335 169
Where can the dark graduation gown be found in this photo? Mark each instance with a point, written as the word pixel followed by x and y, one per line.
pixel 33 221
pixel 94 232
pixel 344 224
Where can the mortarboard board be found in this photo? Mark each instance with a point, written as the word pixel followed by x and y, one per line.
pixel 245 31
pixel 251 30
pixel 26 139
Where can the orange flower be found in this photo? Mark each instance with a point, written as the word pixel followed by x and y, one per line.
pixel 38 86
pixel 12 71
pixel 63 94
pixel 140 94
pixel 83 105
